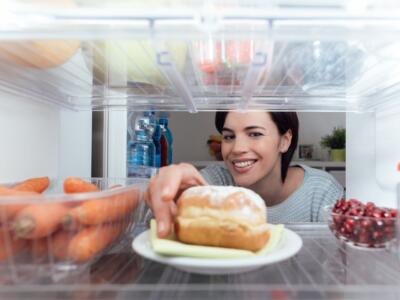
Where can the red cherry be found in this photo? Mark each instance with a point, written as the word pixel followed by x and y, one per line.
pixel 364 238
pixel 377 213
pixel 393 213
pixel 366 223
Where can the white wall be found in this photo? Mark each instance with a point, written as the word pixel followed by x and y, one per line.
pixel 29 135
pixel 191 131
pixel 372 156
pixel 75 144
pixel 38 139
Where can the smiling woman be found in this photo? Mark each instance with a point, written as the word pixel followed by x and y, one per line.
pixel 269 134
pixel 257 148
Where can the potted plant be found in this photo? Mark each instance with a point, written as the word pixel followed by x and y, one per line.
pixel 336 142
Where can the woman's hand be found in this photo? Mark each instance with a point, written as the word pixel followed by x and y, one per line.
pixel 166 187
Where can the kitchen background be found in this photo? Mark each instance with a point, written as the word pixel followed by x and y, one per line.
pixel 196 128
pixel 191 132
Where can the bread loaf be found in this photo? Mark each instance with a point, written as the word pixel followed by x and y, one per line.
pixel 222 216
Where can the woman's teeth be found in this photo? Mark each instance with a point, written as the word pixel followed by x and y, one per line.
pixel 243 164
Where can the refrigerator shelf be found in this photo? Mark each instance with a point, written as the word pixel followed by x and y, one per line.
pixel 322 269
pixel 130 74
pixel 308 56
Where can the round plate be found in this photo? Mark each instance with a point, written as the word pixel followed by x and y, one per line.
pixel 289 245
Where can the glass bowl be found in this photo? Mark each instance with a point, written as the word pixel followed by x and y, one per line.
pixel 361 225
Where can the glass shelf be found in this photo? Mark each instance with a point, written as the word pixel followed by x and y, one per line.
pixel 306 56
pixel 322 269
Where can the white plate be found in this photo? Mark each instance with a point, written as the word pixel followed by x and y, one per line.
pixel 289 245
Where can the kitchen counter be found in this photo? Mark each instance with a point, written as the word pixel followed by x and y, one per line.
pixel 322 269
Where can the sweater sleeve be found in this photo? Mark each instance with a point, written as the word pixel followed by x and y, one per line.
pixel 330 192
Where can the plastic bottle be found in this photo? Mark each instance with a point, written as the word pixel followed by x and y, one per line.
pixel 168 135
pixel 141 154
pixel 157 144
pixel 163 147
pixel 155 131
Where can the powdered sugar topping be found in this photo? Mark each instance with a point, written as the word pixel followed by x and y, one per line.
pixel 216 194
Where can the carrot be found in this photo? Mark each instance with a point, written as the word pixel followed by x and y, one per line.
pixel 71 224
pixel 9 210
pixel 38 185
pixel 103 210
pixel 9 245
pixel 60 242
pixel 39 249
pixel 55 246
pixel 114 186
pixel 76 185
pixel 93 240
pixel 39 220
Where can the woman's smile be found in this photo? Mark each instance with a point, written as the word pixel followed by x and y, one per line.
pixel 243 165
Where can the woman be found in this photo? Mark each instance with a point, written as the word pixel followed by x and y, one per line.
pixel 257 148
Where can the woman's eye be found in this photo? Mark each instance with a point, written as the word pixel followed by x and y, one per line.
pixel 228 137
pixel 255 134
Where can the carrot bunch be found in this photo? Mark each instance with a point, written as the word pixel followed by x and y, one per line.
pixel 27 188
pixel 63 231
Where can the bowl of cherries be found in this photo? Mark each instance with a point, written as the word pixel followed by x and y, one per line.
pixel 362 225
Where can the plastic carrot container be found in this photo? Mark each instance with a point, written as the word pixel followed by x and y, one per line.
pixel 50 229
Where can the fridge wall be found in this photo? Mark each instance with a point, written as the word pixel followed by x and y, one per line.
pixel 30 138
pixel 373 156
pixel 40 140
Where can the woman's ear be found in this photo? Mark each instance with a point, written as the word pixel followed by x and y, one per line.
pixel 286 140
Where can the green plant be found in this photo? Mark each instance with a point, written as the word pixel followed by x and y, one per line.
pixel 336 140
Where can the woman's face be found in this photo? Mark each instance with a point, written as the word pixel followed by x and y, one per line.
pixel 252 146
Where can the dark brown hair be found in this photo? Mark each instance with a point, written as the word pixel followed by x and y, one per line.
pixel 283 121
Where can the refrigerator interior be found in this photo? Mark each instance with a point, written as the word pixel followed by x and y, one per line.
pixel 61 63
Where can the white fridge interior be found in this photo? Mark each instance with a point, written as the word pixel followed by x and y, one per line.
pixel 115 57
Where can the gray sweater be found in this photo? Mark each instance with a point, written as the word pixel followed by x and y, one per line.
pixel 305 204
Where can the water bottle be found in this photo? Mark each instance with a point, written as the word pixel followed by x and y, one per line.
pixel 155 131
pixel 141 154
pixel 168 135
pixel 157 144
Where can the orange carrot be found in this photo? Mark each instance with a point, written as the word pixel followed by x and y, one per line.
pixel 39 249
pixel 9 245
pixel 114 186
pixel 76 185
pixel 55 246
pixel 38 185
pixel 9 210
pixel 93 240
pixel 60 242
pixel 39 220
pixel 103 210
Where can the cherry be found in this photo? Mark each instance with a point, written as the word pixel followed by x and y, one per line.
pixel 363 223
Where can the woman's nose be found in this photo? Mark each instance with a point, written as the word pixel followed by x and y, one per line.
pixel 240 145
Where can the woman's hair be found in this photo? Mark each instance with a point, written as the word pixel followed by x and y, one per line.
pixel 283 121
